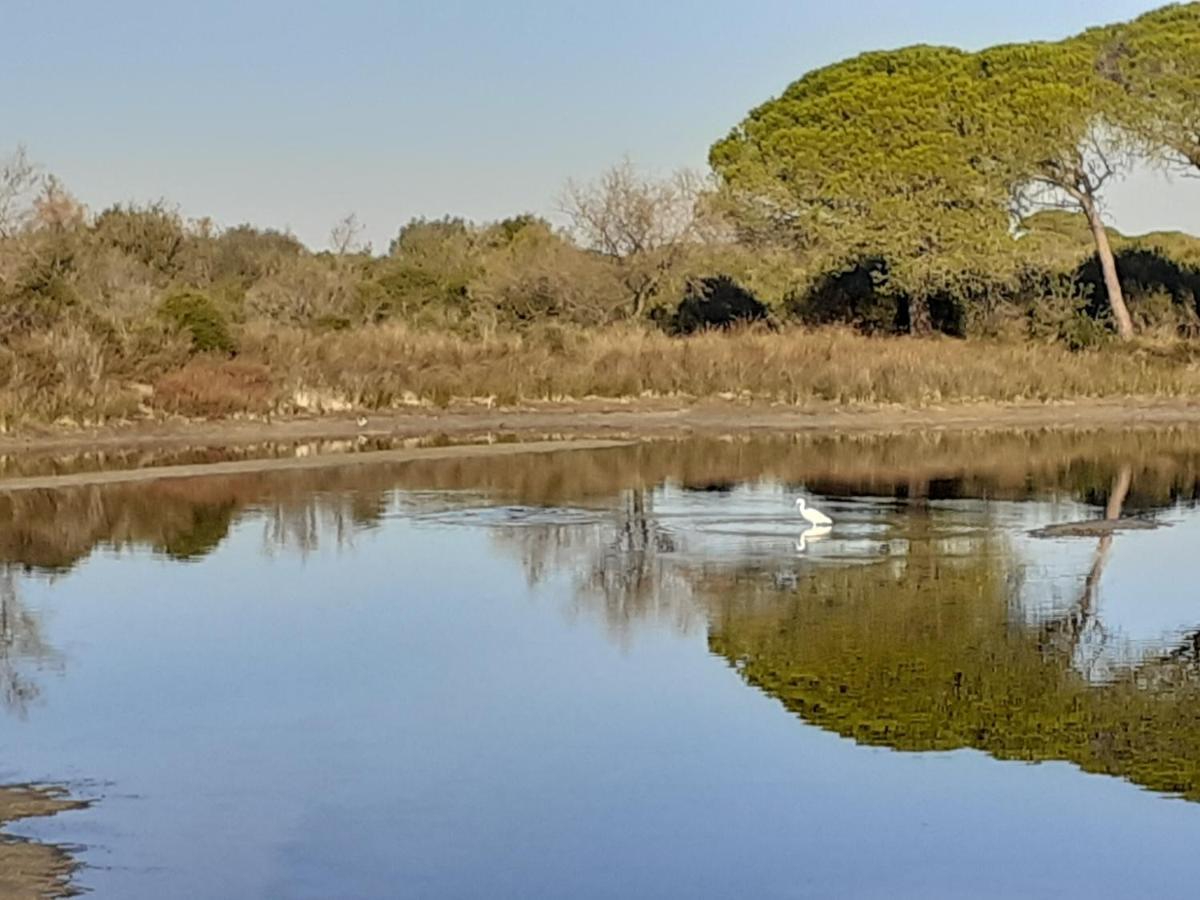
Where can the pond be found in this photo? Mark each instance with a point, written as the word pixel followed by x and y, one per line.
pixel 621 672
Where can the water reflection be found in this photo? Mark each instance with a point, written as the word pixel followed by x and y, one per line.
pixel 188 518
pixel 937 660
pixel 926 619
pixel 621 562
pixel 1079 632
pixel 23 650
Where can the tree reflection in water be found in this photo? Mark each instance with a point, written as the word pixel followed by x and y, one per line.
pixel 939 657
pixel 929 647
pixel 23 650
pixel 620 563
pixel 924 645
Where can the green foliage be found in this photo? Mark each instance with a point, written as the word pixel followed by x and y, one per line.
pixel 882 156
pixel 152 235
pixel 37 303
pixel 916 157
pixel 1045 109
pixel 194 313
pixel 1063 314
pixel 1154 62
pixel 883 192
pixel 41 289
pixel 507 230
pixel 531 273
pixel 206 528
pixel 245 255
pixel 430 264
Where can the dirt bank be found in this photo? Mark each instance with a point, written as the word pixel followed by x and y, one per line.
pixel 30 871
pixel 330 461
pixel 649 418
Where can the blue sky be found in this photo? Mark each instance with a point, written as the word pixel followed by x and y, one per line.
pixel 293 114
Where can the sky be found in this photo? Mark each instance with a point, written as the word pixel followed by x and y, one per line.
pixel 294 114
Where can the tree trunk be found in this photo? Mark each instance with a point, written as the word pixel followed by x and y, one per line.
pixel 920 320
pixel 1108 265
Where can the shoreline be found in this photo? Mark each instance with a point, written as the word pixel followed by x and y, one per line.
pixel 273 464
pixel 29 869
pixel 600 419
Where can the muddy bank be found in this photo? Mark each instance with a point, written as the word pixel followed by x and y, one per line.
pixel 647 418
pixel 330 461
pixel 31 871
pixel 1092 528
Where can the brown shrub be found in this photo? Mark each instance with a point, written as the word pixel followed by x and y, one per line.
pixel 208 387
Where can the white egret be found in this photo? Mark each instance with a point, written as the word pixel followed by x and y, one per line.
pixel 812 516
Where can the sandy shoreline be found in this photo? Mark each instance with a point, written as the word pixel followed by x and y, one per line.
pixel 29 870
pixel 329 461
pixel 590 426
pixel 647 417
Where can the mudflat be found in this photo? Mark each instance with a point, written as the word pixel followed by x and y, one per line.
pixel 639 418
pixel 31 871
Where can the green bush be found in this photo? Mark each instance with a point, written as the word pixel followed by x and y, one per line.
pixel 196 314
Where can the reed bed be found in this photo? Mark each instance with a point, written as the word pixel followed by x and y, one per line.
pixel 72 376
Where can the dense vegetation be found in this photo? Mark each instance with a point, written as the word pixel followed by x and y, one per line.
pixel 923 189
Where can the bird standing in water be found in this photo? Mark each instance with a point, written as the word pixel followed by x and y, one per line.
pixel 812 516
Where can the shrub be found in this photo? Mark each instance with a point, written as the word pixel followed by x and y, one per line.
pixel 717 302
pixel 211 388
pixel 153 235
pixel 194 313
pixel 1063 314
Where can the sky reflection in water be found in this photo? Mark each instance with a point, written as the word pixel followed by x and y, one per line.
pixel 613 674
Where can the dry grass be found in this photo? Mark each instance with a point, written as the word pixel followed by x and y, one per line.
pixel 74 375
pixel 214 388
pixel 382 367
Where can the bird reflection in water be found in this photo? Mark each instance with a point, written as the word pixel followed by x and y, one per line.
pixel 812 534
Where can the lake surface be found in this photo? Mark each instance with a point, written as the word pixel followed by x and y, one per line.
pixel 620 673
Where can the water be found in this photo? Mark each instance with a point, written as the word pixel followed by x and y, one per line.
pixel 620 673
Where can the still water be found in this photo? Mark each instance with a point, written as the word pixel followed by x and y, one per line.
pixel 621 673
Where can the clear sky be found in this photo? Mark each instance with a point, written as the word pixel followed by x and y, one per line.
pixel 293 114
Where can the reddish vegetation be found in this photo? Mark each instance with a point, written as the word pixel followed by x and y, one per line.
pixel 213 387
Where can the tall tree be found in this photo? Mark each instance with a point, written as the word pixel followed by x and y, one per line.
pixel 645 225
pixel 1051 127
pixel 877 156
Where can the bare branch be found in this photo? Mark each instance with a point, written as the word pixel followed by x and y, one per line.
pixel 344 237
pixel 642 223
pixel 20 180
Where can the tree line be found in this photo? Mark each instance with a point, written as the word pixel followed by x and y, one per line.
pixel 919 189
pixel 933 160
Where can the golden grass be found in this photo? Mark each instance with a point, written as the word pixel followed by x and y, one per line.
pixel 382 367
pixel 282 370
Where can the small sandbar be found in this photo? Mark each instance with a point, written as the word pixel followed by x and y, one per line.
pixel 1095 528
pixel 28 870
pixel 332 461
